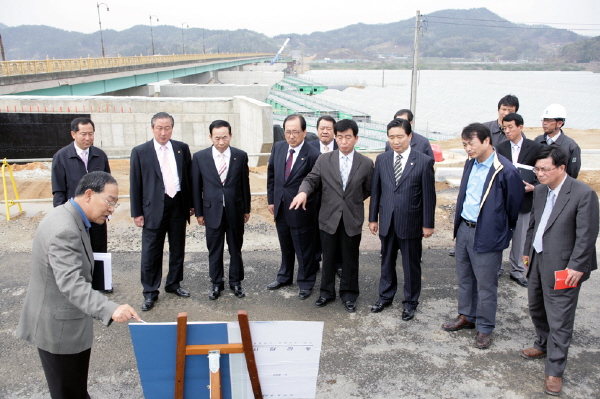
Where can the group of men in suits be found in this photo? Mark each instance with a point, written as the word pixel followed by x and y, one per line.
pixel 168 186
pixel 552 220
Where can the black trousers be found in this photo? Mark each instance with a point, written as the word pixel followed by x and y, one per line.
pixel 153 241
pixel 296 242
pixel 411 251
pixel 332 245
pixel 66 374
pixel 99 240
pixel 215 241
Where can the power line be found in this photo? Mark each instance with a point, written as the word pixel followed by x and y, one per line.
pixel 508 27
pixel 509 22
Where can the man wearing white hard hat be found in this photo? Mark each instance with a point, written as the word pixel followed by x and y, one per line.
pixel 553 119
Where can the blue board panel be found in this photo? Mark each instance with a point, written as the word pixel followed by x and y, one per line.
pixel 154 346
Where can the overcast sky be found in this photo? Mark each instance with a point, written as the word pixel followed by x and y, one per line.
pixel 277 17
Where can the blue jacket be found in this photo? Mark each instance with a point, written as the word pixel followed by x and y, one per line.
pixel 500 204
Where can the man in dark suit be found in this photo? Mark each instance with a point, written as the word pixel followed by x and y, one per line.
pixel 289 163
pixel 507 105
pixel 221 192
pixel 561 236
pixel 344 176
pixel 69 165
pixel 161 200
pixel 487 208
pixel 326 135
pixel 553 120
pixel 520 151
pixel 60 304
pixel 417 142
pixel 402 209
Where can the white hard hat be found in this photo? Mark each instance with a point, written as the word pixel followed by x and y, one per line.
pixel 555 111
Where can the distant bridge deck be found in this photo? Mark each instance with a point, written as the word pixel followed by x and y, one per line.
pixel 92 76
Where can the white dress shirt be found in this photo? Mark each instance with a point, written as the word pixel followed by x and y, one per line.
pixel 171 158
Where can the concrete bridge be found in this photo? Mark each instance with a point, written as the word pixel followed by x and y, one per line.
pixel 94 76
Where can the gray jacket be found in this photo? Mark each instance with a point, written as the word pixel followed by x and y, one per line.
pixel 60 302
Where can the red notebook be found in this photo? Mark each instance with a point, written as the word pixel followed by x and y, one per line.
pixel 559 280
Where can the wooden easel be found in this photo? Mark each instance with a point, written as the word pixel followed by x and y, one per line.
pixel 214 351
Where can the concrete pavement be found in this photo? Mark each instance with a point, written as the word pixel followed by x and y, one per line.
pixel 364 355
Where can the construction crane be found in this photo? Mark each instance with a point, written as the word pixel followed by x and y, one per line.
pixel 280 50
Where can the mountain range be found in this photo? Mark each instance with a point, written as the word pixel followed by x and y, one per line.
pixel 475 33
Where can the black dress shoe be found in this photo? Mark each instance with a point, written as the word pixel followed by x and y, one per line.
pixel 238 291
pixel 322 302
pixel 408 314
pixel 275 285
pixel 180 292
pixel 520 280
pixel 350 306
pixel 214 293
pixel 303 294
pixel 339 273
pixel 378 307
pixel 452 252
pixel 148 304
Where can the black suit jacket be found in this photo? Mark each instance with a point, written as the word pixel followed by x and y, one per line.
pixel 280 193
pixel 68 169
pixel 408 206
pixel 529 150
pixel 417 143
pixel 315 143
pixel 146 186
pixel 571 148
pixel 208 191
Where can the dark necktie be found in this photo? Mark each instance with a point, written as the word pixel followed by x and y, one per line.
pixel 288 164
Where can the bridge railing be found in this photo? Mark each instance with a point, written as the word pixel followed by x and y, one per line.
pixel 12 68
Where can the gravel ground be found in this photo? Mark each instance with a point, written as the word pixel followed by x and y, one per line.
pixel 364 355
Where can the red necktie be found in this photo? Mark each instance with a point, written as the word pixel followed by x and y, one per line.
pixel 288 164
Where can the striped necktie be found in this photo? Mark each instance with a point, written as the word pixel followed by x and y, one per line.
pixel 222 168
pixel 398 168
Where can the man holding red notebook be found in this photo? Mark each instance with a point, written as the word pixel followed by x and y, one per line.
pixel 562 236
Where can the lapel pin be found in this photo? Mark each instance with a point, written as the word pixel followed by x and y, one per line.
pixel 411 164
pixel 302 159
pixel 234 159
pixel 179 152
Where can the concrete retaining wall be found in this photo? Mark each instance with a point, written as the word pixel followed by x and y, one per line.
pixel 257 92
pixel 124 122
pixel 250 77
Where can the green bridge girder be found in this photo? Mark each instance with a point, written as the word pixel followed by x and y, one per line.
pixel 126 82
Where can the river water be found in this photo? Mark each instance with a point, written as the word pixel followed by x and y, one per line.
pixel 449 100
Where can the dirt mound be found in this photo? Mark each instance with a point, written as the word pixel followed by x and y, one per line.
pixel 29 166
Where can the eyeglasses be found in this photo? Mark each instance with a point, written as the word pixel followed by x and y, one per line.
pixel 113 204
pixel 537 170
pixel 292 132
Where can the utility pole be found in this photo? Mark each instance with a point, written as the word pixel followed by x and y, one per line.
pixel 413 85
pixel 100 24
pixel 183 38
pixel 2 49
pixel 152 34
